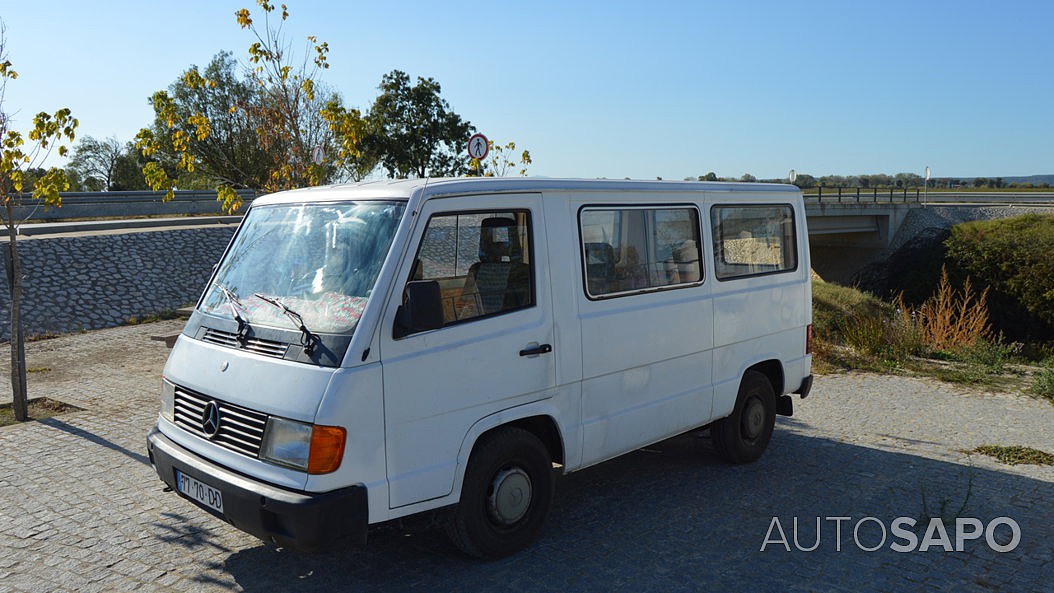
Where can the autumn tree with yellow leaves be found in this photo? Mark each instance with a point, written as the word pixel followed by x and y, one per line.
pixel 304 135
pixel 19 154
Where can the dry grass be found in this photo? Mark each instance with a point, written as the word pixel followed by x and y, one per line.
pixel 1016 455
pixel 39 409
pixel 952 319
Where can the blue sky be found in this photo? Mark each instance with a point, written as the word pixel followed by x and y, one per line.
pixel 615 89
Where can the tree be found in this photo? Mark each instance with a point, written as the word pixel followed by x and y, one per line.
pixel 907 180
pixel 284 107
pixel 748 178
pixel 49 132
pixel 499 161
pixel 413 131
pixel 230 154
pixel 95 162
pixel 128 171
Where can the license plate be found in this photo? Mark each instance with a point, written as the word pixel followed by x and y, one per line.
pixel 199 491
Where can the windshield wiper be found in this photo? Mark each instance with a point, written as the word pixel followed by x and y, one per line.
pixel 234 303
pixel 308 339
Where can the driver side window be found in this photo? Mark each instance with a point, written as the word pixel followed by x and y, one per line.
pixel 481 261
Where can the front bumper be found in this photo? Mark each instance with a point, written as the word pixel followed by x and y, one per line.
pixel 301 521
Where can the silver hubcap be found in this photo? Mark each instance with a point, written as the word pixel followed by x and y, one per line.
pixel 510 496
pixel 753 419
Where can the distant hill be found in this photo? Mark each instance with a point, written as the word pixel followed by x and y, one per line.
pixel 1033 179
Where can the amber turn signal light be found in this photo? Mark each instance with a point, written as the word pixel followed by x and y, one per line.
pixel 327 449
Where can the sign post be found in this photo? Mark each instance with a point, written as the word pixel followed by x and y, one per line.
pixel 478 148
pixel 926 188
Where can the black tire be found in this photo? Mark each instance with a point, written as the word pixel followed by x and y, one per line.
pixel 743 436
pixel 505 497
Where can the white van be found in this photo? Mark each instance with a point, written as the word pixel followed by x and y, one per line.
pixel 366 352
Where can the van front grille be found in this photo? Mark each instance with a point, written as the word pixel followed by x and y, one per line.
pixel 239 429
pixel 230 340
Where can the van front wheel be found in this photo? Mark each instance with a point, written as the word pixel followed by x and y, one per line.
pixel 743 436
pixel 506 495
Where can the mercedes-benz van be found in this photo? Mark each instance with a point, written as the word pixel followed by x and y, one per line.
pixel 366 352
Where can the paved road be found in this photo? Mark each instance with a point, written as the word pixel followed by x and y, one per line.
pixel 82 510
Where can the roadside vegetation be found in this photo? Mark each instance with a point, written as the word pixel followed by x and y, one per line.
pixel 1016 455
pixel 942 325
pixel 948 337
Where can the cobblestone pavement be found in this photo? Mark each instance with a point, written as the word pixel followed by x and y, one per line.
pixel 82 510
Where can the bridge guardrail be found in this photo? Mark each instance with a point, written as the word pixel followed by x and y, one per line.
pixel 863 195
pixel 857 195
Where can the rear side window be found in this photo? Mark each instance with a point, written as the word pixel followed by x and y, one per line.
pixel 753 240
pixel 628 250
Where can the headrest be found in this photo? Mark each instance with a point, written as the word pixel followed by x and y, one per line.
pixel 498 240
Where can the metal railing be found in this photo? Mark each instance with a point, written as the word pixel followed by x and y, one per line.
pixel 918 195
pixel 862 195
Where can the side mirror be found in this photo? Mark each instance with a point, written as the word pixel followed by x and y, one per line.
pixel 422 308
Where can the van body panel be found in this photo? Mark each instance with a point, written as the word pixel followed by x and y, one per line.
pixel 641 384
pixel 439 383
pixel 564 286
pixel 354 400
pixel 771 307
pixel 280 387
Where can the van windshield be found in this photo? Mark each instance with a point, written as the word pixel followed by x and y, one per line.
pixel 320 260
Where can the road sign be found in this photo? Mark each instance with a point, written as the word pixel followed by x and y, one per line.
pixel 478 147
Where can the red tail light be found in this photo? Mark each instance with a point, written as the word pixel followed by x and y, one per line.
pixel 808 339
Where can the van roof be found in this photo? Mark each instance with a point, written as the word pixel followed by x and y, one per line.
pixel 404 189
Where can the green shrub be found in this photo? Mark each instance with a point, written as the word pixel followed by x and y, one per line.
pixel 1043 384
pixel 1011 256
pixel 991 356
pixel 833 304
pixel 892 337
pixel 865 334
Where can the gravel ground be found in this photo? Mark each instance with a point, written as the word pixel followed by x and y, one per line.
pixel 82 510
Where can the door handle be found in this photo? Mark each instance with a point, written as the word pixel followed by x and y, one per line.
pixel 536 350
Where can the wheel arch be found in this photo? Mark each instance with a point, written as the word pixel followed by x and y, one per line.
pixel 538 419
pixel 773 371
pixel 726 392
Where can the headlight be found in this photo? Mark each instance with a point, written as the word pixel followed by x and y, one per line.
pixel 287 443
pixel 304 447
pixel 168 400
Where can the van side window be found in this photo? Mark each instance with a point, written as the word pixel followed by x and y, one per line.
pixel 753 240
pixel 627 250
pixel 481 261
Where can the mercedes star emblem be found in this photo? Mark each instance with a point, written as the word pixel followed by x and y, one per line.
pixel 210 420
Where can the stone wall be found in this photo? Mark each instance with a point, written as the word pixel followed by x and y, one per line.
pixel 93 282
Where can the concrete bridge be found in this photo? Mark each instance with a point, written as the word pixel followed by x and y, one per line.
pixel 871 218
